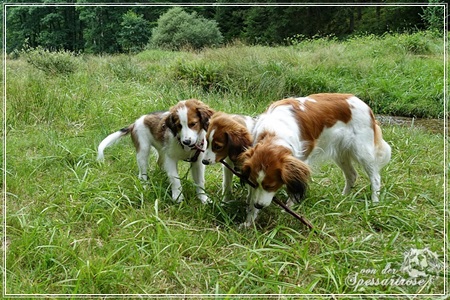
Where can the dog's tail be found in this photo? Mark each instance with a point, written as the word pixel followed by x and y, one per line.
pixel 111 139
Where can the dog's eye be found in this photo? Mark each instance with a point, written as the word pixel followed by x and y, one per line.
pixel 192 124
pixel 216 147
pixel 268 186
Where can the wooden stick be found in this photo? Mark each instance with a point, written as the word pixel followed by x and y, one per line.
pixel 293 213
pixel 238 174
pixel 275 199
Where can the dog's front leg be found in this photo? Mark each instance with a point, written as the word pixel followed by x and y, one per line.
pixel 198 174
pixel 171 168
pixel 227 182
pixel 252 211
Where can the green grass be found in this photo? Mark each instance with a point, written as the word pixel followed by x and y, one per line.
pixel 75 226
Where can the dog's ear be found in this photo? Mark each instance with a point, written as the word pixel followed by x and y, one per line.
pixel 244 157
pixel 205 113
pixel 244 164
pixel 170 123
pixel 295 175
pixel 238 142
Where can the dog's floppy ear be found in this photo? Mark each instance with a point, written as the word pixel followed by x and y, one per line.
pixel 205 113
pixel 295 175
pixel 170 123
pixel 238 142
pixel 244 158
pixel 243 163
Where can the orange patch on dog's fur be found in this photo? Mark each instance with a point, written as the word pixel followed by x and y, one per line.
pixel 278 164
pixel 198 109
pixel 155 123
pixel 231 136
pixel 313 116
pixel 198 113
pixel 378 136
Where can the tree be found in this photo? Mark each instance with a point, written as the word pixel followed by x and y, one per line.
pixel 96 28
pixel 53 27
pixel 101 27
pixel 433 15
pixel 231 21
pixel 134 33
pixel 259 26
pixel 60 29
pixel 177 29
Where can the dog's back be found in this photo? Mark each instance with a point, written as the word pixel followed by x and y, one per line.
pixel 149 125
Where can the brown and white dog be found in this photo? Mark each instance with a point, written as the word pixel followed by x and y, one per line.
pixel 228 136
pixel 295 132
pixel 177 134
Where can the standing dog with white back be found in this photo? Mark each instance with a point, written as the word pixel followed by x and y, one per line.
pixel 294 133
pixel 177 134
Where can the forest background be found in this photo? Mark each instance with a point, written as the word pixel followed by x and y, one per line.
pixel 86 27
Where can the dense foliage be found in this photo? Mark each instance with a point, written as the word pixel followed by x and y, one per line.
pixel 134 33
pixel 397 74
pixel 121 28
pixel 177 28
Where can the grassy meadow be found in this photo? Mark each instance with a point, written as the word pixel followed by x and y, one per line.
pixel 76 226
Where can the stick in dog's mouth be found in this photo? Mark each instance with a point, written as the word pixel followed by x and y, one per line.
pixel 275 199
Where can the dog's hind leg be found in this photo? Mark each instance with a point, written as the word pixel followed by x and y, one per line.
pixel 345 163
pixel 142 161
pixel 375 181
pixel 366 157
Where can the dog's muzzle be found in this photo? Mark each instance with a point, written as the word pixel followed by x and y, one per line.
pixel 187 142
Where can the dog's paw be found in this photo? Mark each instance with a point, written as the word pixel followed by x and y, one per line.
pixel 245 225
pixel 178 197
pixel 204 199
pixel 143 177
pixel 227 200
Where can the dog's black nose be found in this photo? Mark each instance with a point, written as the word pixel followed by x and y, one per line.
pixel 187 142
pixel 258 206
pixel 205 162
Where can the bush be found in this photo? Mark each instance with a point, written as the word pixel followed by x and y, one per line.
pixel 52 63
pixel 390 73
pixel 178 29
pixel 135 32
pixel 415 43
pixel 434 15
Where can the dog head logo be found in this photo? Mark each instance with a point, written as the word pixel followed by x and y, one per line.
pixel 420 263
